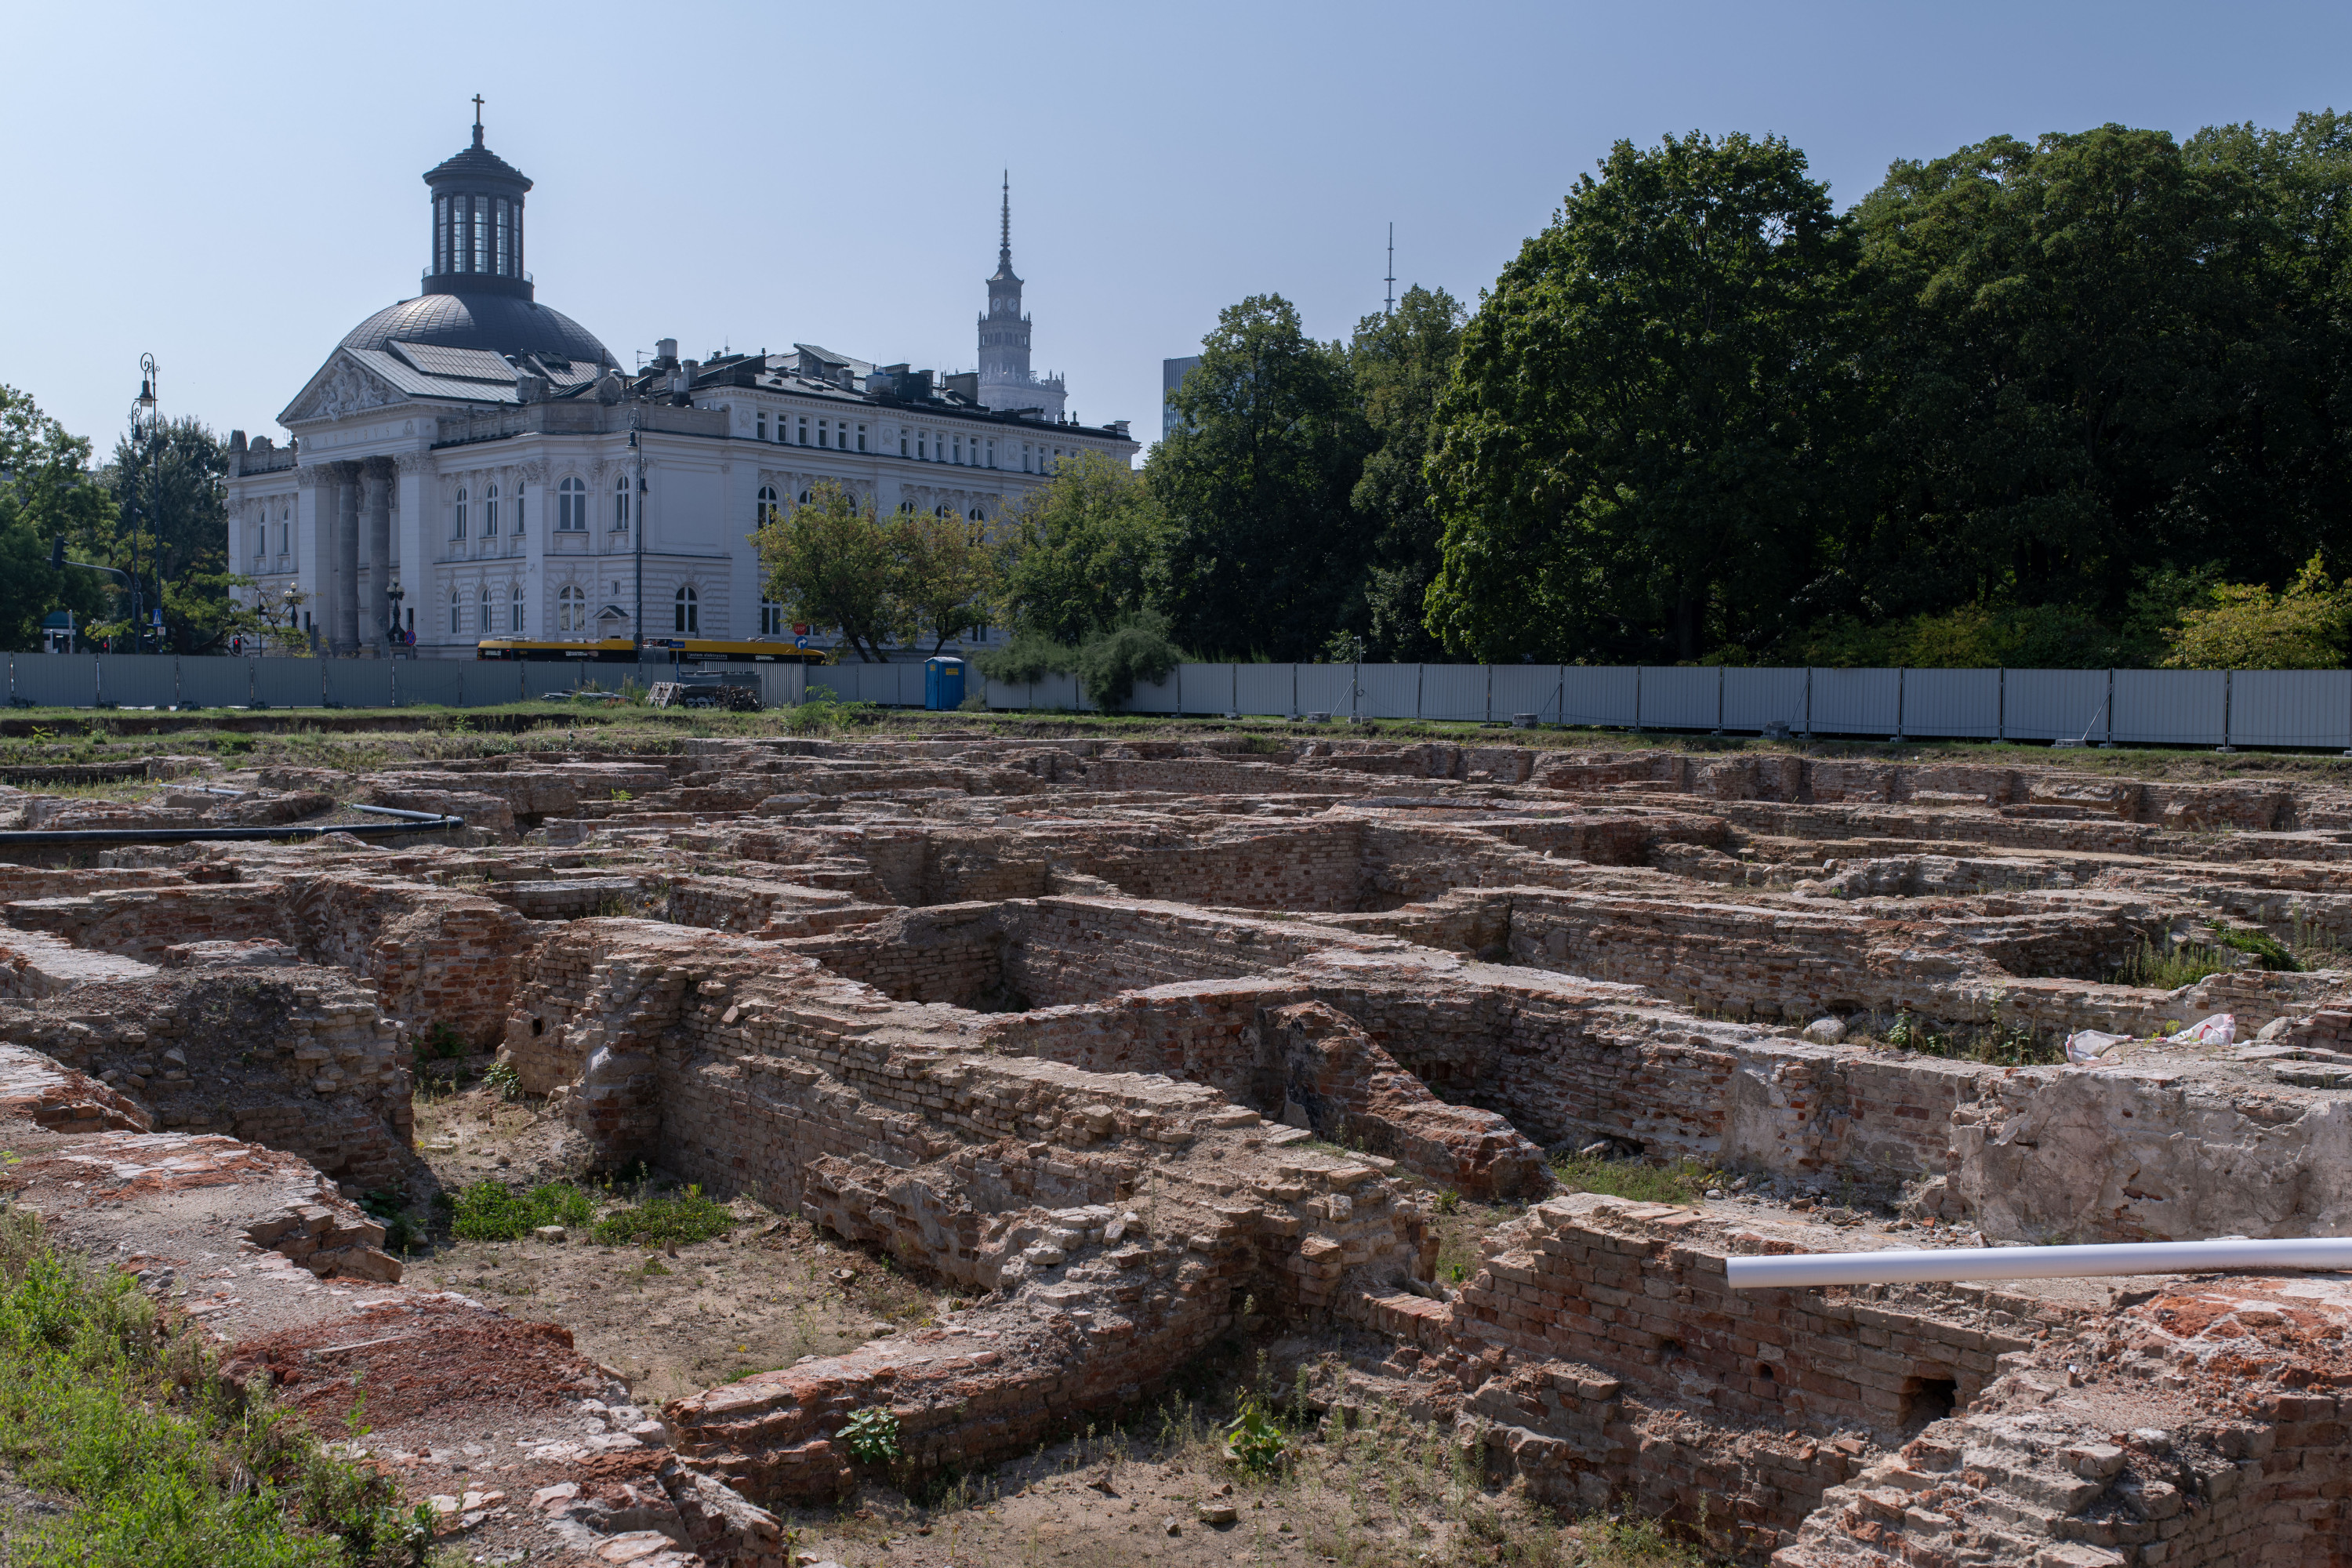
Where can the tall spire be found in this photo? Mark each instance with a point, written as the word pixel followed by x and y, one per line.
pixel 1004 228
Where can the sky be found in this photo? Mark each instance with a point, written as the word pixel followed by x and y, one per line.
pixel 232 188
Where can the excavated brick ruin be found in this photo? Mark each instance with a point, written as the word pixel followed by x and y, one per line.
pixel 1079 1025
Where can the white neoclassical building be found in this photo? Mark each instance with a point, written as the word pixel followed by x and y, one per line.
pixel 478 465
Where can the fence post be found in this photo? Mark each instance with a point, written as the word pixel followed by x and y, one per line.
pixel 1637 699
pixel 1719 680
pixel 1490 694
pixel 2107 736
pixel 2229 684
pixel 2001 705
pixel 1809 703
pixel 1901 682
pixel 1420 678
pixel 1235 671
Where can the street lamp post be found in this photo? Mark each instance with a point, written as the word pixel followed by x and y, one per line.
pixel 146 407
pixel 393 595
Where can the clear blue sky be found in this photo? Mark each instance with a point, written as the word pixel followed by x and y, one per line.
pixel 232 189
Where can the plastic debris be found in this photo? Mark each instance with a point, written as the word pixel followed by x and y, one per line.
pixel 2086 1045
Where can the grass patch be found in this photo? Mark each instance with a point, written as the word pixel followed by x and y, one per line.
pixel 684 1220
pixel 1994 1045
pixel 2268 950
pixel 1680 1182
pixel 164 1464
pixel 2173 967
pixel 492 1210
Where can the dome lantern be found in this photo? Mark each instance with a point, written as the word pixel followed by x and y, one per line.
pixel 477 223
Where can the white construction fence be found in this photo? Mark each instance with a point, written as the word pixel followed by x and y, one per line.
pixel 2128 707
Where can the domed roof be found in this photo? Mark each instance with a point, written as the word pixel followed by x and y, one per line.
pixel 501 323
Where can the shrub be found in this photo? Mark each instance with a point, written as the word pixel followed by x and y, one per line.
pixel 492 1210
pixel 1136 649
pixel 1030 656
pixel 871 1435
pixel 506 1079
pixel 1254 1440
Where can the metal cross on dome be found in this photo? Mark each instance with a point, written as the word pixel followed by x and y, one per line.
pixel 477 111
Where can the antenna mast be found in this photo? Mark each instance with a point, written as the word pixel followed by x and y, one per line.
pixel 1389 308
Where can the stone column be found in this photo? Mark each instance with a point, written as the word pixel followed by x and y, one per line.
pixel 343 624
pixel 374 609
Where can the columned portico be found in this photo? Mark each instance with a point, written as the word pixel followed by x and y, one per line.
pixel 373 627
pixel 343 589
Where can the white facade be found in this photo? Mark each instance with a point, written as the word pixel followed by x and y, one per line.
pixel 513 491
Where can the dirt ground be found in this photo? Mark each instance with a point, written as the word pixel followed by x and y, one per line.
pixel 668 1323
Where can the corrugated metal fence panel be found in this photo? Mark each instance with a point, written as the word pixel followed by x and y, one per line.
pixel 489 682
pixel 1677 698
pixel 359 683
pixel 782 685
pixel 1856 701
pixel 56 680
pixel 1597 694
pixel 437 681
pixel 1001 694
pixel 1755 698
pixel 1326 687
pixel 551 678
pixel 1207 687
pixel 1153 696
pixel 1388 690
pixel 2054 705
pixel 2171 708
pixel 1528 688
pixel 284 682
pixel 1453 692
pixel 1052 692
pixel 2291 708
pixel 215 681
pixel 1953 704
pixel 1264 688
pixel 137 680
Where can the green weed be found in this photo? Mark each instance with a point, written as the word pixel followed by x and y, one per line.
pixel 691 1218
pixel 492 1210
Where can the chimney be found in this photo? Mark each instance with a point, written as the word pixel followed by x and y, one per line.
pixel 684 381
pixel 667 349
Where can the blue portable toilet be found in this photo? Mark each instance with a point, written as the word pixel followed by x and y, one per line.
pixel 942 684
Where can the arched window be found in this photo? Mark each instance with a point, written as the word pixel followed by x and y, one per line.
pixel 491 513
pixel 514 610
pixel 571 609
pixel 458 518
pixel 766 510
pixel 456 613
pixel 976 515
pixel 621 503
pixel 571 506
pixel 687 613
pixel 805 496
pixel 486 622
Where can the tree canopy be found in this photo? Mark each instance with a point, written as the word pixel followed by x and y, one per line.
pixel 46 492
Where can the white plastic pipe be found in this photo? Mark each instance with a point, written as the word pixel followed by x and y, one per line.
pixel 1803 1270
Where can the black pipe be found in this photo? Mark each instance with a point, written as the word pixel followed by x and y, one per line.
pixel 221 834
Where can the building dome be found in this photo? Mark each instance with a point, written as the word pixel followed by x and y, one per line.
pixel 502 323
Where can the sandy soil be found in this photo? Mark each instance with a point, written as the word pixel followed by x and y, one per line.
pixel 669 1323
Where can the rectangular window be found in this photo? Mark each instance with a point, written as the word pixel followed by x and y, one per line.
pixel 763 424
pixel 861 438
pixel 920 452
pixel 959 449
pixel 482 255
pixel 804 430
pixel 502 236
pixel 771 619
pixel 441 234
pixel 902 440
pixel 991 453
pixel 822 438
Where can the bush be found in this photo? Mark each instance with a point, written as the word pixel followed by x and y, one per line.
pixel 1136 648
pixel 1030 656
pixel 2246 627
pixel 871 1435
pixel 492 1210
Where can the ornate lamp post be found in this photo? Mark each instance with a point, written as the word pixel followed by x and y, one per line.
pixel 392 595
pixel 144 410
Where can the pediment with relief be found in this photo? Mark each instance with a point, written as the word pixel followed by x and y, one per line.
pixel 342 387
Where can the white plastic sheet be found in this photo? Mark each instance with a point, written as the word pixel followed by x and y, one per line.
pixel 2086 1045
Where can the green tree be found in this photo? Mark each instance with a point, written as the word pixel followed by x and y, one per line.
pixel 171 524
pixel 946 575
pixel 1402 361
pixel 1081 550
pixel 831 562
pixel 1264 553
pixel 2077 348
pixel 2247 626
pixel 46 492
pixel 1637 450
